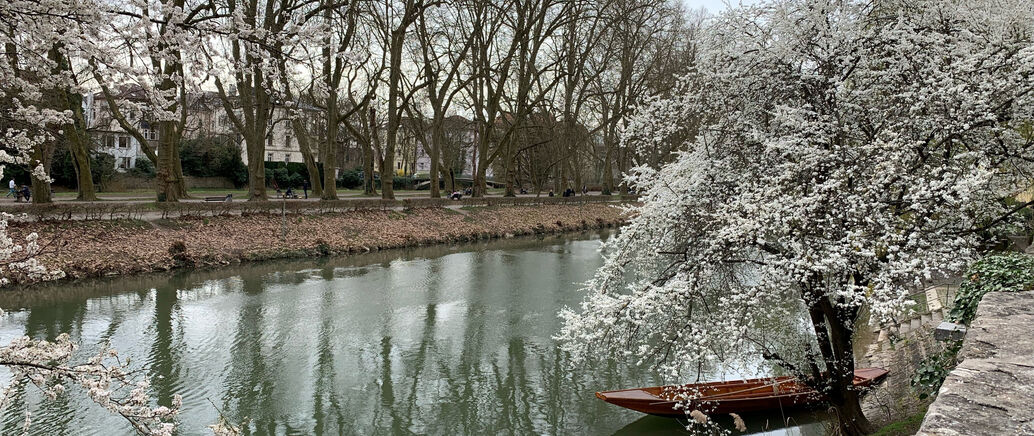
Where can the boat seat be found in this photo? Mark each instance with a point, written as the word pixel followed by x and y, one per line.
pixel 632 394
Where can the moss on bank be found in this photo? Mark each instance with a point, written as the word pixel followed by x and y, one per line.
pixel 904 427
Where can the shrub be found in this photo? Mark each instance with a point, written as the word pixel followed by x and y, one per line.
pixel 213 156
pixel 350 179
pixel 102 169
pixel 1009 272
pixel 932 371
pixel 403 182
pixel 144 168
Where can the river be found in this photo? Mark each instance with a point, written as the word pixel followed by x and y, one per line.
pixel 433 340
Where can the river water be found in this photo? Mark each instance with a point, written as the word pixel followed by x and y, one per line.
pixel 434 340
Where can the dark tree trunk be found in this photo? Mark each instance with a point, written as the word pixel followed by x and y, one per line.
pixel 437 138
pixel 168 188
pixel 316 184
pixel 368 157
pixel 78 141
pixel 42 154
pixel 834 333
pixel 329 151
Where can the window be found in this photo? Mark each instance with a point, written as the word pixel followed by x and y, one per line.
pixel 269 157
pixel 287 143
pixel 109 141
pixel 399 165
pixel 123 142
pixel 124 163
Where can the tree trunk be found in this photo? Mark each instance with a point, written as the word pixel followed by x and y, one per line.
pixel 43 154
pixel 450 180
pixel 368 167
pixel 315 182
pixel 168 190
pixel 83 172
pixel 834 333
pixel 850 418
pixel 480 187
pixel 256 166
pixel 177 168
pixel 437 138
pixel 329 151
pixel 78 141
pixel 607 170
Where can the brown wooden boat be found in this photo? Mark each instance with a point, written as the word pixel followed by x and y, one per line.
pixel 737 396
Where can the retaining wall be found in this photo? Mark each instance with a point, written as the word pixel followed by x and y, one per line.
pixel 991 391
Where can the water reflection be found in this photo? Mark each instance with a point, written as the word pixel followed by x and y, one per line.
pixel 424 341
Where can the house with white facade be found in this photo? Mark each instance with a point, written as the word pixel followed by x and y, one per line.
pixel 459 150
pixel 108 135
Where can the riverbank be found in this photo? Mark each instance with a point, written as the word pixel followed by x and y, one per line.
pixel 127 246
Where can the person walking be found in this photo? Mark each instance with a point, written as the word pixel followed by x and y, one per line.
pixel 11 188
pixel 305 189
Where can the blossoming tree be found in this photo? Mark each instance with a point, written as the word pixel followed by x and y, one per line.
pixel 30 75
pixel 841 153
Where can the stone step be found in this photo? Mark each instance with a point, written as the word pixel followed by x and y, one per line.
pixel 884 335
pixel 915 324
pixel 926 318
pixel 904 328
pixel 937 317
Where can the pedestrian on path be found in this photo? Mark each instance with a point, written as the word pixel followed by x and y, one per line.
pixel 11 188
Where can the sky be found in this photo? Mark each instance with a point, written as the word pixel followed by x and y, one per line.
pixel 713 6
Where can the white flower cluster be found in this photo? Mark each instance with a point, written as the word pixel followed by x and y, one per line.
pixel 104 377
pixel 18 261
pixel 838 154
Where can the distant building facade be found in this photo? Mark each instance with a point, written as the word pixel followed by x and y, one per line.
pixel 108 135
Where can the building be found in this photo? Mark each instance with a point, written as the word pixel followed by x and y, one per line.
pixel 107 133
pixel 458 153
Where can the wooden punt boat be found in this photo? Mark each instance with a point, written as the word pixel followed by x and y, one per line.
pixel 737 396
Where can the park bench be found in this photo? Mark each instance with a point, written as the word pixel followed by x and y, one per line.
pixel 228 197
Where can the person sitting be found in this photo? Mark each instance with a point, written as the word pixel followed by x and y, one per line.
pixel 468 191
pixel 550 192
pixel 278 193
pixel 290 193
pixel 456 195
pixel 26 193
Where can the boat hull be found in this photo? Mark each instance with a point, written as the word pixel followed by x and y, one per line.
pixel 740 396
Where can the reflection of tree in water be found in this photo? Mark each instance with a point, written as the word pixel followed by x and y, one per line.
pixel 490 368
pixel 521 386
pixel 328 413
pixel 166 354
pixel 52 416
pixel 251 377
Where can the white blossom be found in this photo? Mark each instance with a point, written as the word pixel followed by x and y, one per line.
pixel 846 151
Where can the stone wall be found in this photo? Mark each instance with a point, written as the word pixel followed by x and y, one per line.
pixel 991 392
